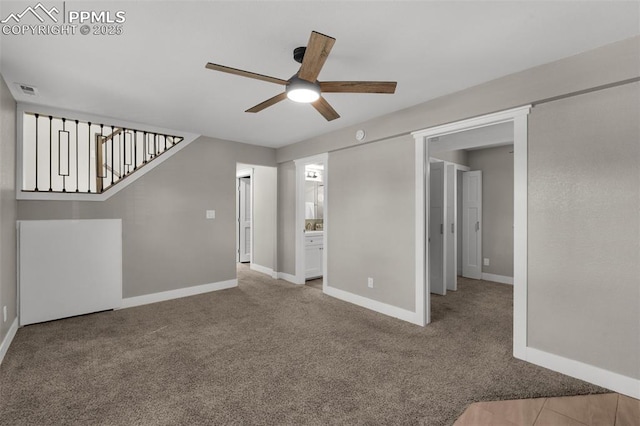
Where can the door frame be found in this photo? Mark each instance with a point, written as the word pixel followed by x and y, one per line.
pixel 300 229
pixel 240 174
pixel 426 146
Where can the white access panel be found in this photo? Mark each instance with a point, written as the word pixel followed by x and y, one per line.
pixel 68 268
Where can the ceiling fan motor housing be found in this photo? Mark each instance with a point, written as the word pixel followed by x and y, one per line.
pixel 298 54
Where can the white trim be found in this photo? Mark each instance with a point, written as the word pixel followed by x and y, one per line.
pixel 71 196
pixel 262 270
pixel 520 234
pixel 244 173
pixel 6 342
pixel 519 118
pixel 300 230
pixel 287 277
pixel 503 279
pixel 146 299
pixel 325 226
pixel 423 299
pixel 374 305
pixel 473 123
pixel 589 373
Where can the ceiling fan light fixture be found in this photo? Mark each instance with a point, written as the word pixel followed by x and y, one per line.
pixel 299 90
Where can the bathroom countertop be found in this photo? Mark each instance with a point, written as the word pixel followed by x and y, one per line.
pixel 313 233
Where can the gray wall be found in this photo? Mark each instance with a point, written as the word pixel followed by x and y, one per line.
pixel 167 242
pixel 287 218
pixel 371 221
pixel 584 228
pixel 497 207
pixel 264 215
pixel 459 157
pixel 8 208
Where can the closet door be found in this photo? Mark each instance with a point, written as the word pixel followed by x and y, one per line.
pixel 450 231
pixel 436 229
pixel 472 224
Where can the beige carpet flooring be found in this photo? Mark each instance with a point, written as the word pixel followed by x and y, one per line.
pixel 269 352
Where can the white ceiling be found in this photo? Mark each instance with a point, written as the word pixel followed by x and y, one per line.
pixel 154 72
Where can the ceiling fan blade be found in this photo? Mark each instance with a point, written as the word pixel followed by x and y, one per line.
pixel 358 86
pixel 325 109
pixel 271 101
pixel 316 53
pixel 243 73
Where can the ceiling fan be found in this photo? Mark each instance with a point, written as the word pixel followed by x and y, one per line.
pixel 304 86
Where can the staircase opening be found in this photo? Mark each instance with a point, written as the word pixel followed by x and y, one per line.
pixel 67 155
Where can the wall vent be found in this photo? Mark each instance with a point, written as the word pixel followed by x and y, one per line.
pixel 27 90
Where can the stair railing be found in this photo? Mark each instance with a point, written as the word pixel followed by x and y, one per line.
pixel 67 155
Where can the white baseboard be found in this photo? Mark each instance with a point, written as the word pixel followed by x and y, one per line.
pixel 374 305
pixel 287 277
pixel 263 270
pixel 589 373
pixel 130 302
pixel 6 342
pixel 497 278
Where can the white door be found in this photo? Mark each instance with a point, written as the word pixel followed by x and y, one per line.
pixel 244 219
pixel 450 228
pixel 436 229
pixel 472 224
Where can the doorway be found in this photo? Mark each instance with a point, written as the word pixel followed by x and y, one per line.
pixel 244 215
pixel 490 156
pixel 311 221
pixel 428 143
pixel 256 217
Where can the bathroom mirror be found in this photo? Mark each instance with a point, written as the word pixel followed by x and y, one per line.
pixel 314 197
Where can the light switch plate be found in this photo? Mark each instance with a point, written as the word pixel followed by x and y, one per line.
pixel 211 214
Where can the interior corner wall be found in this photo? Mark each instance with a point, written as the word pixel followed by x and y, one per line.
pixel 168 243
pixel 497 207
pixel 8 209
pixel 584 229
pixel 371 221
pixel 264 183
pixel 287 218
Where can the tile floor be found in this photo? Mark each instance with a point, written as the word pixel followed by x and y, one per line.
pixel 610 409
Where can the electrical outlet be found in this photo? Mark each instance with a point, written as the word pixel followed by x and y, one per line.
pixel 486 261
pixel 4 314
pixel 370 282
pixel 211 214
